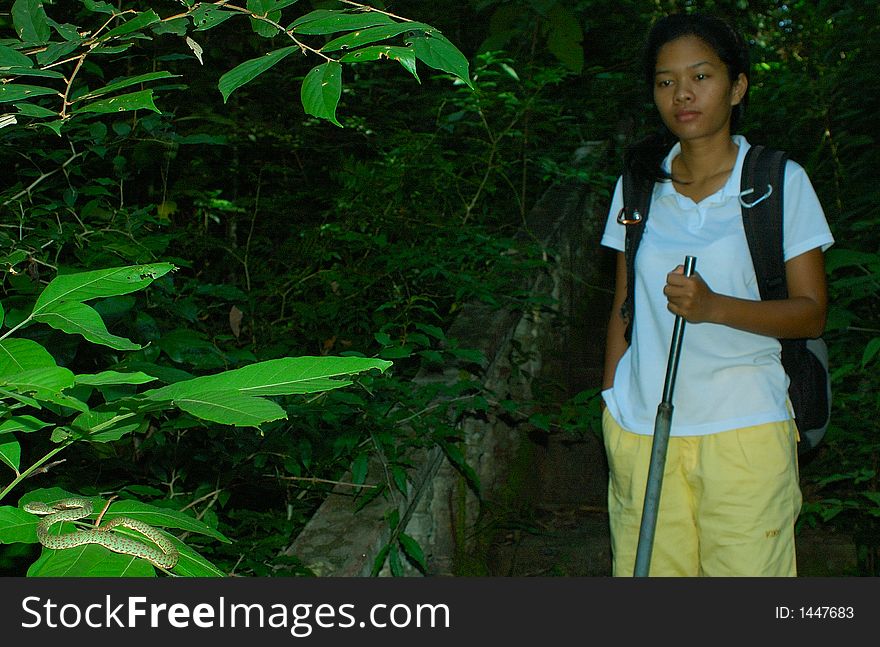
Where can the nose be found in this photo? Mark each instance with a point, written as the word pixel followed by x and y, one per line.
pixel 683 93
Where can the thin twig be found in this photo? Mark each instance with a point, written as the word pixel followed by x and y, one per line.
pixel 289 32
pixel 368 8
pixel 250 236
pixel 207 496
pixel 43 176
pixel 315 480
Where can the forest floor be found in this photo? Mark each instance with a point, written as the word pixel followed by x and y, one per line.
pixel 558 523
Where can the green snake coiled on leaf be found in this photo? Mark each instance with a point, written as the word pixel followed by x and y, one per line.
pixel 72 509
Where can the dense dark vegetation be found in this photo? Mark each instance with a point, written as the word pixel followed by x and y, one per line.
pixel 294 237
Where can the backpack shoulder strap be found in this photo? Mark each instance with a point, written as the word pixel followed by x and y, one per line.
pixel 805 361
pixel 636 204
pixel 762 182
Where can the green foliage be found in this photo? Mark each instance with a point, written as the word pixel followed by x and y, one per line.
pixel 814 93
pixel 86 136
pixel 45 47
pixel 553 21
pixel 44 399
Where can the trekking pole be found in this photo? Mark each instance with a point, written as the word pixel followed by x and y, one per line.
pixel 662 424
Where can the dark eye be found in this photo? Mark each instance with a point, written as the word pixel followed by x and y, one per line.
pixel 701 77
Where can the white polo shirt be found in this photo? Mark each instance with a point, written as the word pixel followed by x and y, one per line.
pixel 726 378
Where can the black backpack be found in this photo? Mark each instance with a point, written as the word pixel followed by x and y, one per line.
pixel 804 360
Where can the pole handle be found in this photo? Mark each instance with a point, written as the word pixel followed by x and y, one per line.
pixel 690 262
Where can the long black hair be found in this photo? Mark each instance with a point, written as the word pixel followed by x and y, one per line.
pixel 645 157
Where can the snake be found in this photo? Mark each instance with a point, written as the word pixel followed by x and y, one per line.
pixel 73 509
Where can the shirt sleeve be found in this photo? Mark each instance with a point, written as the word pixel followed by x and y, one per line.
pixel 804 224
pixel 615 234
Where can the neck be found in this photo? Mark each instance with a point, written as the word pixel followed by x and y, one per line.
pixel 701 160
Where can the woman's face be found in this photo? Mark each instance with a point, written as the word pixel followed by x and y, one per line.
pixel 693 91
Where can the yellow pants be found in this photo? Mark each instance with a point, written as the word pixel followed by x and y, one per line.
pixel 728 501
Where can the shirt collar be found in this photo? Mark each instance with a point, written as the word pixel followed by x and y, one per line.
pixel 731 188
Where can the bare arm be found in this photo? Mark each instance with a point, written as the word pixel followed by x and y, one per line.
pixel 615 343
pixel 802 314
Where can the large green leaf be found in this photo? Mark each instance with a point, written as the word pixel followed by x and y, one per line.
pixel 321 90
pixel 105 378
pixel 99 6
pixel 375 34
pixel 164 517
pixel 17 355
pixel 14 257
pixel 27 71
pixel 98 283
pixel 142 20
pixel 89 560
pixel 264 9
pixel 17 526
pixel 176 26
pixel 77 318
pixel 124 83
pixel 359 468
pixel 434 50
pixel 326 21
pixel 283 376
pixel 13 58
pixel 456 457
pixel 56 51
pixel 17 92
pixel 206 16
pixel 24 424
pixel 140 100
pixel 63 400
pixel 871 350
pixel 565 38
pixel 10 453
pixel 52 494
pixel 29 110
pixel 249 70
pixel 18 397
pixel 166 374
pixel 42 383
pixel 413 550
pixel 403 55
pixel 231 408
pixel 30 21
pixel 66 30
pixel 106 426
pixel 232 397
pixel 191 564
pixel 117 49
pixel 98 561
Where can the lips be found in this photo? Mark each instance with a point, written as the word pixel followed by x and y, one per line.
pixel 684 116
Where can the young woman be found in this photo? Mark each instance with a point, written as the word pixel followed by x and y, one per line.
pixel 730 493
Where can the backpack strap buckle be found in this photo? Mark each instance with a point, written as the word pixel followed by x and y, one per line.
pixel 748 205
pixel 625 218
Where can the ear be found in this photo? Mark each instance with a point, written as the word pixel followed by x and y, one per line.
pixel 738 91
